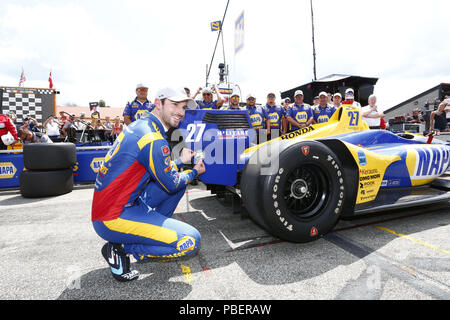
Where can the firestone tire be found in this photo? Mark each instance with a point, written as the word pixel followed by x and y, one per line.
pixel 302 201
pixel 38 184
pixel 49 156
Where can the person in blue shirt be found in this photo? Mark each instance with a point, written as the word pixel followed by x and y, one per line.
pixel 257 114
pixel 299 115
pixel 208 103
pixel 323 112
pixel 276 117
pixel 138 108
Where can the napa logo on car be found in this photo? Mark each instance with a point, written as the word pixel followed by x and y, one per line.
pixel 430 162
pixel 96 164
pixel 7 170
pixel 362 159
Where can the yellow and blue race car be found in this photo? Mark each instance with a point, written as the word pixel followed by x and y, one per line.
pixel 298 185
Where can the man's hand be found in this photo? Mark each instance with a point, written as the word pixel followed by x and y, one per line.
pixel 200 167
pixel 186 155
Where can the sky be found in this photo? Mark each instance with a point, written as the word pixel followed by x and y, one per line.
pixel 100 49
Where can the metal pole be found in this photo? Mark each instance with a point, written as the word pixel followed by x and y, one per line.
pixel 314 46
pixel 217 41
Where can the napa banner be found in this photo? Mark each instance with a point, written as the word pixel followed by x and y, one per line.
pixel 239 33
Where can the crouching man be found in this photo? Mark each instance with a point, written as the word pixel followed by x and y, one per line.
pixel 138 189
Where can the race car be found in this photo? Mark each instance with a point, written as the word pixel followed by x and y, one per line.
pixel 298 185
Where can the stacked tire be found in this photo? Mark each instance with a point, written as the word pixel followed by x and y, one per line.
pixel 48 169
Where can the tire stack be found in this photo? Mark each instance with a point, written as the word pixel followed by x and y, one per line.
pixel 48 169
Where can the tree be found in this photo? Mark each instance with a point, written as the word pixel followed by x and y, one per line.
pixel 101 103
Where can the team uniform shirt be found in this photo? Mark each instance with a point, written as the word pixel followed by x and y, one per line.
pixel 322 115
pixel 201 104
pixel 257 116
pixel 275 114
pixel 137 110
pixel 301 114
pixel 138 160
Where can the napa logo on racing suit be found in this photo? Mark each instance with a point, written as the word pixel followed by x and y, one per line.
pixel 186 244
pixel 430 162
pixel 96 164
pixel 7 170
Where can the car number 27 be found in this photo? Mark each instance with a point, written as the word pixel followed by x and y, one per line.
pixel 354 118
pixel 195 132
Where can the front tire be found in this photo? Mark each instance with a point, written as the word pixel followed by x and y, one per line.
pixel 302 201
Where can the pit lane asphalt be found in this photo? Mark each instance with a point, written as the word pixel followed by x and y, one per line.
pixel 49 250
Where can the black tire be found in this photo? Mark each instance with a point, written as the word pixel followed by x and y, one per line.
pixel 49 156
pixel 37 184
pixel 302 200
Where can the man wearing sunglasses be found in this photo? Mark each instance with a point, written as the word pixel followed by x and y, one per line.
pixel 138 108
pixel 234 103
pixel 208 103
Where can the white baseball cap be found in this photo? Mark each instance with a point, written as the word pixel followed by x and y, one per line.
pixel 141 85
pixel 323 93
pixel 176 95
pixel 250 95
pixel 298 92
pixel 206 90
pixel 7 139
pixel 337 95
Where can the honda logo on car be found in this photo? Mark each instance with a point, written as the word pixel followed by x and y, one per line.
pixel 96 164
pixel 7 170
pixel 431 162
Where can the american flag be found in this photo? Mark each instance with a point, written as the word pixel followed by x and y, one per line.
pixel 22 79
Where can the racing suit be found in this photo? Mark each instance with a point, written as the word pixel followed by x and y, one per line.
pixel 136 110
pixel 301 114
pixel 136 192
pixel 202 104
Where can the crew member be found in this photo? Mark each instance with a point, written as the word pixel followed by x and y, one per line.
pixel 7 129
pixel 138 188
pixel 438 118
pixel 300 114
pixel 276 117
pixel 208 102
pixel 416 117
pixel 323 112
pixel 337 100
pixel 138 108
pixel 234 103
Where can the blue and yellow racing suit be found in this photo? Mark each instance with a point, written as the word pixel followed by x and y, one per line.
pixel 137 110
pixel 136 192
pixel 275 115
pixel 202 104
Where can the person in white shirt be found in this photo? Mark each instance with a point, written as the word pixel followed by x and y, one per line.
pixel 52 128
pixel 370 113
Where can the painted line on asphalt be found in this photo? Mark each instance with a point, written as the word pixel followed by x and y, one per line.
pixel 423 243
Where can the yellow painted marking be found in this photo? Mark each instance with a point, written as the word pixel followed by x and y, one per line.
pixel 188 277
pixel 415 240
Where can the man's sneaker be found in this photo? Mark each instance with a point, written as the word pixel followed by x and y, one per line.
pixel 119 262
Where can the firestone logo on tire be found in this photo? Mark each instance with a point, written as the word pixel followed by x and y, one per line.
pixel 305 150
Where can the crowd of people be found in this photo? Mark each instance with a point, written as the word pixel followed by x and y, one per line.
pixel 56 129
pixel 269 116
